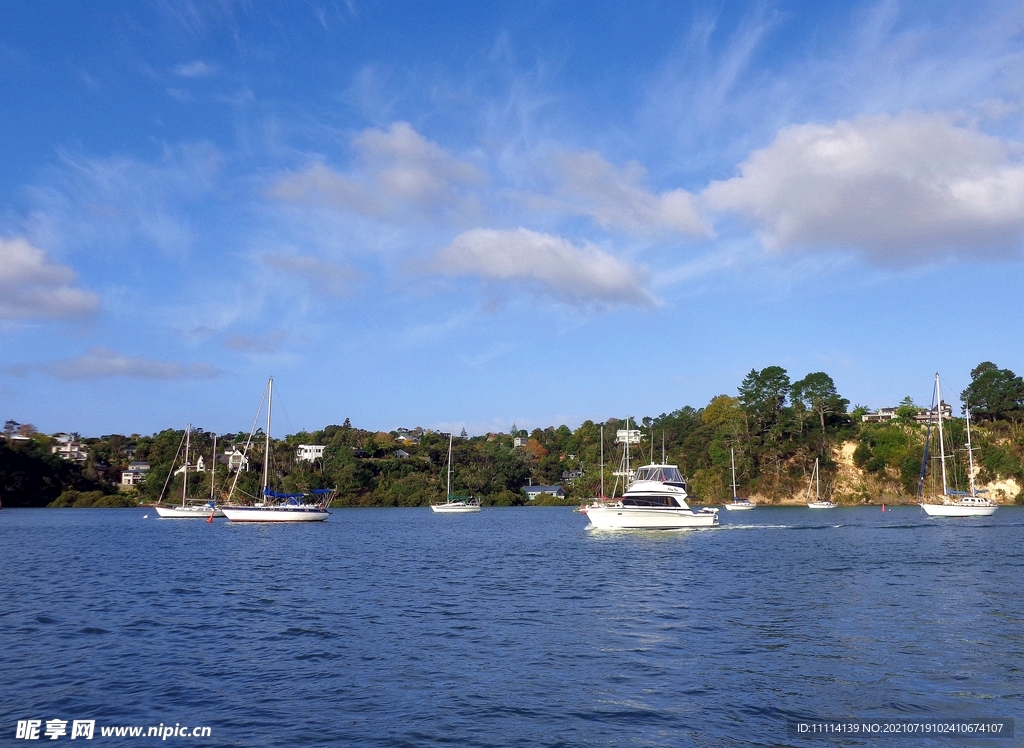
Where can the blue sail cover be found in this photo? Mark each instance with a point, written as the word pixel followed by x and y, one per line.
pixel 323 490
pixel 276 495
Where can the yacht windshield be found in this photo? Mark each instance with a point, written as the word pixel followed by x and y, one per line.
pixel 661 473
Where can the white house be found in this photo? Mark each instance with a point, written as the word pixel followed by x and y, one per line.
pixel 532 492
pixel 924 415
pixel 236 460
pixel 310 452
pixel 68 448
pixel 135 475
pixel 199 467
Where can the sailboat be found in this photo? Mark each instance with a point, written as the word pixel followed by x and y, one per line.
pixel 272 506
pixel 455 504
pixel 188 509
pixel 582 508
pixel 953 503
pixel 818 503
pixel 737 503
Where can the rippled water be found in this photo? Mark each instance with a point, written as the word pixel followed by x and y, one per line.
pixel 510 627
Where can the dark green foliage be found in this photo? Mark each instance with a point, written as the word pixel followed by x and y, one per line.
pixel 994 393
pixel 93 499
pixel 31 476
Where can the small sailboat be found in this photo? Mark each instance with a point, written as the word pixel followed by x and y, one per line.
pixel 189 508
pixel 815 483
pixel 582 508
pixel 737 504
pixel 953 503
pixel 272 506
pixel 455 504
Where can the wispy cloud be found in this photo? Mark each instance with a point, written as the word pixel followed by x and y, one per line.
pixel 322 276
pixel 578 275
pixel 400 174
pixel 902 189
pixel 33 287
pixel 101 363
pixel 109 204
pixel 194 69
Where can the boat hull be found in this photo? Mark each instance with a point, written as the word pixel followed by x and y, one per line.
pixel 821 505
pixel 454 508
pixel 739 507
pixel 187 512
pixel 275 514
pixel 954 510
pixel 644 518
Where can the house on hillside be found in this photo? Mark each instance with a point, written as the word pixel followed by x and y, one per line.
pixel 135 475
pixel 236 460
pixel 69 448
pixel 309 452
pixel 532 492
pixel 924 415
pixel 198 467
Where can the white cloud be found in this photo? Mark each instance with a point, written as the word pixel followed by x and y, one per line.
pixel 194 69
pixel 617 200
pixel 400 172
pixel 579 275
pixel 112 204
pixel 901 189
pixel 34 287
pixel 321 275
pixel 101 362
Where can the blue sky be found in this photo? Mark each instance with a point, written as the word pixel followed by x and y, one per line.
pixel 480 214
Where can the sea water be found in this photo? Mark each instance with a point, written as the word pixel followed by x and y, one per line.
pixel 511 627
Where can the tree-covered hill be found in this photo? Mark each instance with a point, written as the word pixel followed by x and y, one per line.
pixel 775 427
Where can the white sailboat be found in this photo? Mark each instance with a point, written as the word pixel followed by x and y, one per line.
pixel 582 508
pixel 455 504
pixel 272 506
pixel 189 508
pixel 737 504
pixel 818 503
pixel 954 503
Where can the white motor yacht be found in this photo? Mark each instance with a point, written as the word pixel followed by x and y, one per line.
pixel 655 500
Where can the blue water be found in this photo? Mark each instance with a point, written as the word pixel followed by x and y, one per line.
pixel 511 627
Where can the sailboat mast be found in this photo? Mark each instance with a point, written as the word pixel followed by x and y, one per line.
pixel 184 483
pixel 266 451
pixel 213 467
pixel 817 481
pixel 942 442
pixel 626 455
pixel 732 460
pixel 451 436
pixel 602 460
pixel 970 450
